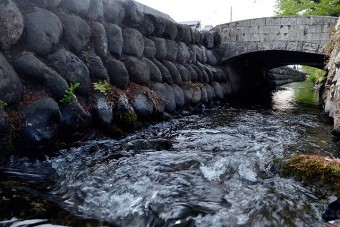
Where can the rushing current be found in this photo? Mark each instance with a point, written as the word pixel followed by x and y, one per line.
pixel 218 168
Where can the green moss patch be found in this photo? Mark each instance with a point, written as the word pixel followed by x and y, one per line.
pixel 317 171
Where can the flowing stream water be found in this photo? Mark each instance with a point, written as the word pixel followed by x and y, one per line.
pixel 221 170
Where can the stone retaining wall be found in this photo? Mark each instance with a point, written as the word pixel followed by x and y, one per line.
pixel 67 66
pixel 284 75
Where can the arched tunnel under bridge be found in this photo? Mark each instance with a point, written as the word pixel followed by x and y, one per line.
pixel 249 48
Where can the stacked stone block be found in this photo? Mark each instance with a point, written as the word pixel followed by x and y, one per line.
pixel 142 56
pixel 284 75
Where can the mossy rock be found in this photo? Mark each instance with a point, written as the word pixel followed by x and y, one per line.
pixel 126 120
pixel 320 172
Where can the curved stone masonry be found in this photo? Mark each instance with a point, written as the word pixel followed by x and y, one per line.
pixel 309 34
pixel 128 64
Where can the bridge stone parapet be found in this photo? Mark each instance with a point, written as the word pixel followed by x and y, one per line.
pixel 309 34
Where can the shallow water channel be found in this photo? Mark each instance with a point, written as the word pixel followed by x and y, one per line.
pixel 220 171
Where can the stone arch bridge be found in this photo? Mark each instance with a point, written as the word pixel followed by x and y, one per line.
pixel 250 47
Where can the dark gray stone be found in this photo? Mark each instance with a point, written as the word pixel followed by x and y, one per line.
pixel 101 110
pixel 114 11
pixel 76 32
pixel 332 211
pixel 204 94
pixel 139 72
pixel 74 119
pixel 185 74
pixel 133 17
pixel 142 106
pixel 160 90
pixel 42 35
pixel 155 73
pixel 217 75
pixel 199 74
pixel 115 40
pixel 10 85
pixel 204 57
pixel 37 76
pixel 217 38
pixel 227 89
pixel 95 66
pixel 188 93
pixel 201 40
pixel 39 122
pixel 48 4
pixel 179 95
pixel 176 76
pixel 118 73
pixel 79 7
pixel 160 48
pixel 170 30
pixel 171 50
pixel 199 53
pixel 218 90
pixel 133 42
pixel 70 67
pixel 193 73
pixel 11 24
pixel 148 144
pixel 166 76
pixel 183 54
pixel 160 25
pixel 96 10
pixel 184 33
pixel 205 77
pixel 197 36
pixel 224 75
pixel 149 48
pixel 148 24
pixel 210 92
pixel 99 39
pixel 4 128
pixel 209 72
pixel 208 40
pixel 192 51
pixel 196 94
pixel 170 104
pixel 211 59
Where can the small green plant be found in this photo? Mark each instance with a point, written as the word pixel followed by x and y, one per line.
pixel 102 86
pixel 2 104
pixel 69 95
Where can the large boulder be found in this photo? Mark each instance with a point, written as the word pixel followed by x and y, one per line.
pixel 192 51
pixel 79 7
pixel 38 76
pixel 101 110
pixel 204 94
pixel 114 11
pixel 96 10
pixel 115 40
pixel 147 28
pixel 133 17
pixel 48 4
pixel 76 32
pixel 188 93
pixel 39 122
pixel 193 73
pixel 10 85
pixel 184 33
pixel 218 90
pixel 99 39
pixel 208 70
pixel 149 48
pixel 159 24
pixel 179 95
pixel 74 119
pixel 171 50
pixel 160 48
pixel 170 104
pixel 208 39
pixel 211 58
pixel 160 90
pixel 210 92
pixel 155 73
pixel 95 66
pixel 133 42
pixel 166 76
pixel 170 30
pixel 118 73
pixel 185 74
pixel 70 67
pixel 176 76
pixel 11 24
pixel 196 94
pixel 142 105
pixel 139 72
pixel 42 35
pixel 205 77
pixel 183 54
pixel 199 53
pixel 199 74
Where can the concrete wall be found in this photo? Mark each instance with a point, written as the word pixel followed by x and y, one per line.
pixel 297 33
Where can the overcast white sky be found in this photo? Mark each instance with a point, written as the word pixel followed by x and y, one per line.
pixel 213 12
